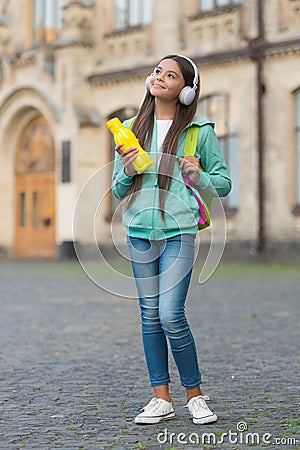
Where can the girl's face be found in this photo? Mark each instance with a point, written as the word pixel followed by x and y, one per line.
pixel 166 81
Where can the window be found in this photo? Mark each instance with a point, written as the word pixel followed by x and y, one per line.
pixel 216 109
pixel 22 209
pixel 297 150
pixel 210 5
pixel 35 209
pixel 230 150
pixel 66 162
pixel 46 20
pixel 132 13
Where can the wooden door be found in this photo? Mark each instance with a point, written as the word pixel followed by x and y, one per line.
pixel 35 193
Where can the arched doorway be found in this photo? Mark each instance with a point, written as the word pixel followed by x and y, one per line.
pixel 35 192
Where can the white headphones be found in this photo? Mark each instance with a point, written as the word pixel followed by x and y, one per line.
pixel 188 93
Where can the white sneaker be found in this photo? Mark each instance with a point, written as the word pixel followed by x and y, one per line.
pixel 156 411
pixel 200 411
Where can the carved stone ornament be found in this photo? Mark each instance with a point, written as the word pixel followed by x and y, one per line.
pixel 77 21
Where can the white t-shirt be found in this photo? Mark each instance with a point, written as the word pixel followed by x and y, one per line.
pixel 162 130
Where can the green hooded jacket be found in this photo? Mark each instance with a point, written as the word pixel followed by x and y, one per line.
pixel 142 218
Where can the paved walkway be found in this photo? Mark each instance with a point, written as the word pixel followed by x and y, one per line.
pixel 72 372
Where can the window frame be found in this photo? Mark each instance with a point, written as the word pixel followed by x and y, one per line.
pixel 229 144
pixel 296 188
pixel 46 20
pixel 136 13
pixel 217 4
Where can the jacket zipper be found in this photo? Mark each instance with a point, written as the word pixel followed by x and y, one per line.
pixel 154 201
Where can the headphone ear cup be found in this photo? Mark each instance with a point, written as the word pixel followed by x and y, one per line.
pixel 148 83
pixel 187 95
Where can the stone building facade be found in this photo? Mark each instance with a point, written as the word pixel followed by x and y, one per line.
pixel 68 66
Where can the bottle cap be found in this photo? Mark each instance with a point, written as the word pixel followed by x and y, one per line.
pixel 113 124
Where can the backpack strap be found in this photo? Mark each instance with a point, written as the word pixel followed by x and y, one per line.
pixel 191 140
pixel 190 145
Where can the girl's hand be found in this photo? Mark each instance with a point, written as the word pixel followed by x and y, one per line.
pixel 127 157
pixel 190 167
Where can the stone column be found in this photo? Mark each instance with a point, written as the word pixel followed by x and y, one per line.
pixel 166 23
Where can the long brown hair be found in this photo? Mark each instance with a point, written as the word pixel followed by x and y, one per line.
pixel 143 128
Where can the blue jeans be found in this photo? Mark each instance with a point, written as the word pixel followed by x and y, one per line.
pixel 162 271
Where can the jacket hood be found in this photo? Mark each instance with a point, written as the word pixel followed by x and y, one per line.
pixel 200 122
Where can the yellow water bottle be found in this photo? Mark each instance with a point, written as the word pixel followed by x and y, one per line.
pixel 126 137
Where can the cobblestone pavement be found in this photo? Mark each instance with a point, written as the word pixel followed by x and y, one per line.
pixel 73 374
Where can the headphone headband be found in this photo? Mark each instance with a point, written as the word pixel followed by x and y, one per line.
pixel 196 76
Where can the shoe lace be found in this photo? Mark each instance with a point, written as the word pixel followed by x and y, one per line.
pixel 198 403
pixel 153 404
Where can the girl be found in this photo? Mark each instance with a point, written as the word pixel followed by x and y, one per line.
pixel 161 215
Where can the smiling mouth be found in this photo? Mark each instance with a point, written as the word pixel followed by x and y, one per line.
pixel 158 85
